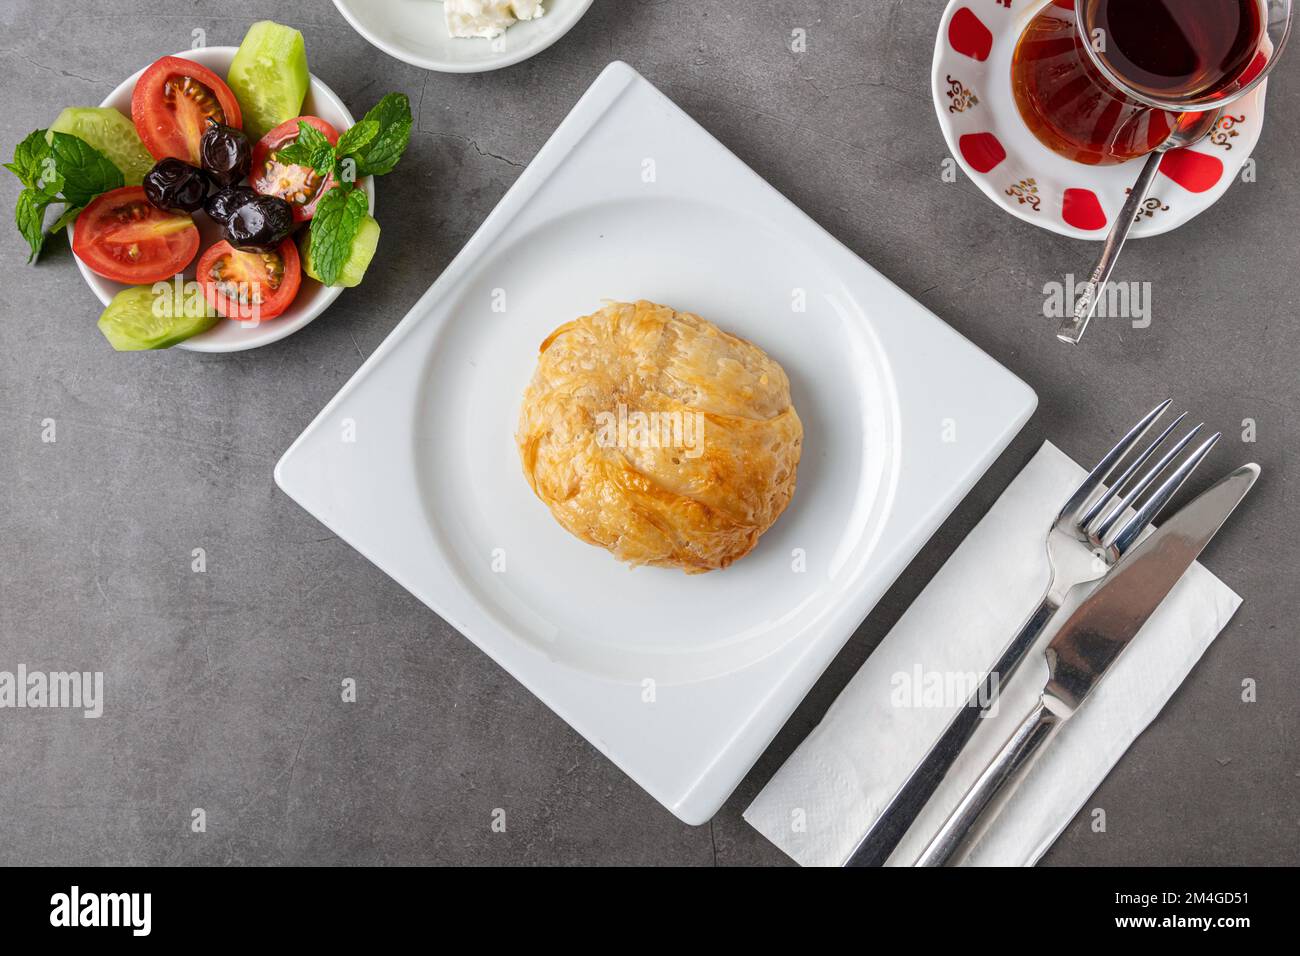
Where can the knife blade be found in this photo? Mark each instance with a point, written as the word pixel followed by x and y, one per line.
pixel 1085 647
pixel 1103 625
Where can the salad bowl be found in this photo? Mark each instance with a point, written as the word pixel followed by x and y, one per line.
pixel 230 335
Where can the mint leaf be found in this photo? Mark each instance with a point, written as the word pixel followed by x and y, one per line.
pixel 69 214
pixel 311 148
pixel 296 151
pixel 30 216
pixel 358 137
pixel 392 115
pixel 373 145
pixel 54 166
pixel 85 172
pixel 351 143
pixel 29 155
pixel 339 215
pixel 310 136
pixel 293 154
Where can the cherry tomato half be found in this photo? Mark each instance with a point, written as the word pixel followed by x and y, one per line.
pixel 172 102
pixel 250 285
pixel 300 186
pixel 124 237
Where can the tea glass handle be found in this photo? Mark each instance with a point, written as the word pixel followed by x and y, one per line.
pixel 1073 326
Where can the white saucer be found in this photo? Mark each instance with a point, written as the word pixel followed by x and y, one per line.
pixel 988 138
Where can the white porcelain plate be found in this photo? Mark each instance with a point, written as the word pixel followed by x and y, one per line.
pixel 681 680
pixel 971 82
pixel 313 298
pixel 415 31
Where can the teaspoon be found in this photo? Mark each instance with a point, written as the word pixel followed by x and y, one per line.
pixel 1190 128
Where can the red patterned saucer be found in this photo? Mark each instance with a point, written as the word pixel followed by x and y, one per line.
pixel 990 141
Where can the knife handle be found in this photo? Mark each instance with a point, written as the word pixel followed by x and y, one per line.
pixel 906 805
pixel 986 798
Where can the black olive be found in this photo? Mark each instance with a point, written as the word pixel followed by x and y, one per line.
pixel 225 153
pixel 223 202
pixel 176 186
pixel 260 224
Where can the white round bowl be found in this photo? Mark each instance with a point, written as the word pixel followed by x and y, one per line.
pixel 313 298
pixel 415 32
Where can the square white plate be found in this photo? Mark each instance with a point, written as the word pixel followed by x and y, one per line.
pixel 680 680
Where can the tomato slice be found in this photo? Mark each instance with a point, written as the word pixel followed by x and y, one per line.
pixel 172 102
pixel 124 237
pixel 250 285
pixel 300 186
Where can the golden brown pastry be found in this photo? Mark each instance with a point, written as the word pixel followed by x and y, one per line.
pixel 658 436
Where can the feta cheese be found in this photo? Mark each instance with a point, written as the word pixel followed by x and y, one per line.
pixel 487 18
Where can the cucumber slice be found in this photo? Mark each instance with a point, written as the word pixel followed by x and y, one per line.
pixel 138 318
pixel 112 134
pixel 363 250
pixel 269 76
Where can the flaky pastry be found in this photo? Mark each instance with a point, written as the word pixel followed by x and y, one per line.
pixel 656 435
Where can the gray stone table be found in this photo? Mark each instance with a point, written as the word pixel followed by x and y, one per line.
pixel 224 685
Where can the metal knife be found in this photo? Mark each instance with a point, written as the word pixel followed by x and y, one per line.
pixel 1082 650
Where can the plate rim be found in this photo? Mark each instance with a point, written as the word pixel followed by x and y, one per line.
pixel 764 694
pixel 878 472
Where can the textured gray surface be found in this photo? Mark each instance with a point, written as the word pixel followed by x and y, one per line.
pixel 223 686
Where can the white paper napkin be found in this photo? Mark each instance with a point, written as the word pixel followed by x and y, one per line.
pixel 834 785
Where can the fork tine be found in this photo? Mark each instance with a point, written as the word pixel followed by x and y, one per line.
pixel 1109 461
pixel 1146 514
pixel 1098 532
pixel 1091 515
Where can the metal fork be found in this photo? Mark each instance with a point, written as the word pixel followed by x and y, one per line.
pixel 1084 520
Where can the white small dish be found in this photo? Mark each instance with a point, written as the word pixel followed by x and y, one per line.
pixel 313 298
pixel 681 680
pixel 415 32
pixel 986 135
